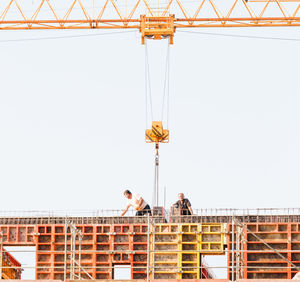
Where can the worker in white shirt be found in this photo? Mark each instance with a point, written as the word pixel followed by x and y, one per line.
pixel 137 202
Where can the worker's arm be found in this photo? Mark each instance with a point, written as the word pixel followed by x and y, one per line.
pixel 125 211
pixel 140 203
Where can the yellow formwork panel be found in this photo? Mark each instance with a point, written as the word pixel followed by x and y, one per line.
pixel 190 255
pixel 177 248
pixel 164 251
pixel 208 236
pixel 179 262
pixel 211 239
pixel 165 228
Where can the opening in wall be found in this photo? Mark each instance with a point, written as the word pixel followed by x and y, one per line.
pixel 122 271
pixel 26 256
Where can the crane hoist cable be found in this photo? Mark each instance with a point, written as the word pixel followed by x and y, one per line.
pixel 157 134
pixel 166 94
pixel 148 94
pixel 166 89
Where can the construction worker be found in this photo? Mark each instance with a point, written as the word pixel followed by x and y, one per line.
pixel 136 201
pixel 184 205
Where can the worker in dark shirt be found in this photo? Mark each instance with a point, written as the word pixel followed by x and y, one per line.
pixel 184 205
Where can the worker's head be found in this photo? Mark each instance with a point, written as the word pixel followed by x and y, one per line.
pixel 127 194
pixel 180 196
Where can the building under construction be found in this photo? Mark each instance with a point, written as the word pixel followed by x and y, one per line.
pixel 258 244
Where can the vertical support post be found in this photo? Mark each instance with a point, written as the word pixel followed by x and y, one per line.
pixel 232 249
pixel 153 249
pixel 66 246
pixel 73 252
pixel 179 254
pixel 74 265
pixel 71 256
pixel 289 248
pixel 199 261
pixel 199 248
pixel 79 255
pixel 94 255
pixel 52 252
pixel 156 181
pixel 165 197
pixel 1 253
pixel 245 255
pixel 238 253
pixel 148 245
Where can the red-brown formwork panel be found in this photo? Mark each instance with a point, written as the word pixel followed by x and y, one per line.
pixel 19 235
pixel 264 280
pixel 257 260
pixel 103 246
pixel 16 280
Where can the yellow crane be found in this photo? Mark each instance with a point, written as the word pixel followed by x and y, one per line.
pixel 154 19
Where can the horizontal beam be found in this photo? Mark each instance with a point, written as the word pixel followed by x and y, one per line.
pixel 142 15
pixel 135 23
pixel 174 218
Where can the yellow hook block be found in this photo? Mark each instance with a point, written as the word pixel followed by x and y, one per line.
pixel 157 134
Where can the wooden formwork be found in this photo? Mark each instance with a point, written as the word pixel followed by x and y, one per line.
pixel 256 250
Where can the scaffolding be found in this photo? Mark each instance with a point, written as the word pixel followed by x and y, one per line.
pixel 162 246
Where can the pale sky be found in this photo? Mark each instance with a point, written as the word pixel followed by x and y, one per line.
pixel 72 120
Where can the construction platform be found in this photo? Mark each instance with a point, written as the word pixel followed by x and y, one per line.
pixel 164 247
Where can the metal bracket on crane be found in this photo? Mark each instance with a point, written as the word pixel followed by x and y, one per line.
pixel 157 27
pixel 157 134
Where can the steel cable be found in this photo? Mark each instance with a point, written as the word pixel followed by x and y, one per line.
pixel 166 91
pixel 239 36
pixel 148 85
